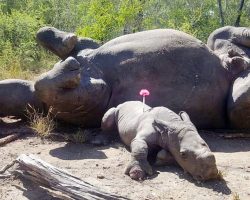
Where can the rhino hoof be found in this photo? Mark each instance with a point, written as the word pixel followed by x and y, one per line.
pixel 136 173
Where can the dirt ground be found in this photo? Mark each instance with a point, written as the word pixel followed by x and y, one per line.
pixel 103 167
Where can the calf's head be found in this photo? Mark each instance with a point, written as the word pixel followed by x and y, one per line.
pixel 189 150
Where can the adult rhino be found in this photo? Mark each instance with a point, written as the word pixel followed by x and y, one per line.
pixel 232 44
pixel 180 71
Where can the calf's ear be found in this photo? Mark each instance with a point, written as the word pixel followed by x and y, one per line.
pixel 163 126
pixel 184 116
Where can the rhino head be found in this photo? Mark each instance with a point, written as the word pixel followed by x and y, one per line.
pixel 76 94
pixel 187 147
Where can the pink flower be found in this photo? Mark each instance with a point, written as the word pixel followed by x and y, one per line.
pixel 144 92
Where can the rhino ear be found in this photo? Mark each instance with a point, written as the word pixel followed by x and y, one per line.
pixel 184 116
pixel 163 126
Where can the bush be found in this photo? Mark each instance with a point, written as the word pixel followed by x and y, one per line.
pixel 20 56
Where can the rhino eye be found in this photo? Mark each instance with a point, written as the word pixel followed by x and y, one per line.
pixel 183 155
pixel 204 144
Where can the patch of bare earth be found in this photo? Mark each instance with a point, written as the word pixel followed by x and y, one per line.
pixel 103 167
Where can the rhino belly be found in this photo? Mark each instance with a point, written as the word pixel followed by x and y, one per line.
pixel 180 72
pixel 199 90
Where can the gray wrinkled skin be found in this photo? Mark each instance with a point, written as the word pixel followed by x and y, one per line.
pixel 239 102
pixel 180 71
pixel 15 95
pixel 232 44
pixel 160 127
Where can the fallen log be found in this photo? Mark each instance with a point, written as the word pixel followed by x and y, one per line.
pixel 51 177
pixel 9 138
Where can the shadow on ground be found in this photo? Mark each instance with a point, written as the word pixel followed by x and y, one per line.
pixel 219 186
pixel 34 192
pixel 73 151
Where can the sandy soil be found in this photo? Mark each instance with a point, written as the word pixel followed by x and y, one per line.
pixel 90 162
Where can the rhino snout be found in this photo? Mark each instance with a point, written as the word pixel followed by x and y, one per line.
pixel 207 168
pixel 211 173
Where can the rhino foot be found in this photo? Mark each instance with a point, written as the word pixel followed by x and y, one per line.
pixel 235 62
pixel 164 158
pixel 137 170
pixel 59 42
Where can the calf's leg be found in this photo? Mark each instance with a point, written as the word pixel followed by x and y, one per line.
pixel 138 166
pixel 163 158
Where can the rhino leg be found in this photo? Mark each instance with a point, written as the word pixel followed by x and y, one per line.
pixel 138 166
pixel 234 62
pixel 108 127
pixel 238 102
pixel 108 120
pixel 59 42
pixel 16 95
pixel 164 157
pixel 241 36
pixel 64 75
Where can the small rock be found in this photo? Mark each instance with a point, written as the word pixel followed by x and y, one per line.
pixel 100 176
pixel 248 169
pixel 96 165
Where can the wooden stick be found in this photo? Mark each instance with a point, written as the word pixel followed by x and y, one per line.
pixel 57 179
pixel 4 169
pixel 9 138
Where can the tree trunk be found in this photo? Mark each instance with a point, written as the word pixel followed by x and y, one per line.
pixel 221 13
pixel 237 23
pixel 54 178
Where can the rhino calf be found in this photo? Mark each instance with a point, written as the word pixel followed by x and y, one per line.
pixel 160 127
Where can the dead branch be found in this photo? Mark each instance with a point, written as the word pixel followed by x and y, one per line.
pixel 13 134
pixel 9 138
pixel 57 179
pixel 4 169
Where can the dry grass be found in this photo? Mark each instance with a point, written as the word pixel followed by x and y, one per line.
pixel 42 124
pixel 236 196
pixel 221 175
pixel 80 136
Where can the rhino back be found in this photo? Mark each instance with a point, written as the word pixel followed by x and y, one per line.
pixel 179 70
pixel 165 114
pixel 128 117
